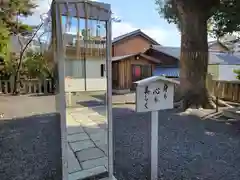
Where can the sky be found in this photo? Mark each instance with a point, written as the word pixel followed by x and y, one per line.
pixel 134 14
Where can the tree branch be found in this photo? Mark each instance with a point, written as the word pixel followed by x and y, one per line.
pixel 31 39
pixel 21 58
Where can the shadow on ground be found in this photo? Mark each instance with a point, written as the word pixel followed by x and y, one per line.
pixel 30 148
pixel 90 103
pixel 189 148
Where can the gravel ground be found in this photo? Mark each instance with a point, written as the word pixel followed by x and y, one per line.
pixel 189 148
pixel 30 147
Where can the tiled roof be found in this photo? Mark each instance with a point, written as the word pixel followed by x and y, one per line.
pixel 171 51
pixel 214 57
pixel 134 33
pixel 168 72
pixel 118 58
pixel 224 58
pixel 210 44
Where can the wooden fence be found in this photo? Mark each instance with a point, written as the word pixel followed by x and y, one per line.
pixel 226 90
pixel 29 86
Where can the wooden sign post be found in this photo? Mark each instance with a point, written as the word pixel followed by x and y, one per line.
pixel 154 94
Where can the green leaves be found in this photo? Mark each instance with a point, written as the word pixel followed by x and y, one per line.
pixel 4 40
pixel 224 18
pixel 168 10
pixel 36 65
pixel 9 25
pixel 14 9
pixel 237 72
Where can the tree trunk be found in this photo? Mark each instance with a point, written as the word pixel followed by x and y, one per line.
pixel 17 76
pixel 194 57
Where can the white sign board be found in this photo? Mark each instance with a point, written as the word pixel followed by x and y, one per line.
pixel 154 96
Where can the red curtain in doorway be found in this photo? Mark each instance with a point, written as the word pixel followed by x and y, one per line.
pixel 137 71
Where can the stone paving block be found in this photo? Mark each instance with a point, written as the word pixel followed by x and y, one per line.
pixel 73 164
pixel 104 148
pixel 100 109
pixel 103 126
pixel 76 109
pixel 88 124
pixel 82 112
pixel 101 142
pixel 79 118
pixel 93 113
pixel 77 137
pixel 86 173
pixel 101 135
pixel 95 162
pixel 74 129
pixel 91 130
pixel 91 153
pixel 84 121
pixel 80 145
pixel 72 123
pixel 109 178
pixel 98 121
pixel 97 117
pixel 69 117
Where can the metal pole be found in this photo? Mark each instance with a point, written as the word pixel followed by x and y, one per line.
pixel 85 40
pixel 109 96
pixel 60 97
pixel 154 145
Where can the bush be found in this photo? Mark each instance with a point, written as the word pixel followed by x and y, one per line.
pixel 237 72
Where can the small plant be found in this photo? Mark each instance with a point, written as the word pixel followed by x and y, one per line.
pixel 237 72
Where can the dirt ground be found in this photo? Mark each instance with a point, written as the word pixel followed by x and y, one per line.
pixel 21 106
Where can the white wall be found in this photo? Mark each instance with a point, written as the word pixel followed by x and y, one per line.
pixel 226 72
pixel 237 47
pixel 75 70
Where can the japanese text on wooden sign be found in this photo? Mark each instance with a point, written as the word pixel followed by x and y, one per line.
pixel 155 96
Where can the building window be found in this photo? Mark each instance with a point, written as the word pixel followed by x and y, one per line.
pixel 102 70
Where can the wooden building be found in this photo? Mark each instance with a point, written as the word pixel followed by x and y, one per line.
pixel 128 69
pixel 131 43
pixel 129 63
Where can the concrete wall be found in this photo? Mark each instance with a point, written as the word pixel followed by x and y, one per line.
pixel 213 69
pixel 75 72
pixel 226 72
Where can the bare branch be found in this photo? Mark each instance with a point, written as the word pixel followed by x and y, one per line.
pixel 31 39
pixel 21 43
pixel 39 39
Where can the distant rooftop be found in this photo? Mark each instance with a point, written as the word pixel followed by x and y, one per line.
pixel 171 51
pixel 214 57
pixel 132 34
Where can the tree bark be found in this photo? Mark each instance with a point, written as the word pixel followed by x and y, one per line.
pixel 194 55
